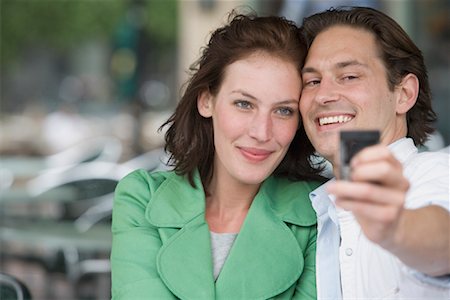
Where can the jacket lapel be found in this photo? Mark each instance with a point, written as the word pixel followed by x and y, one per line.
pixel 266 258
pixel 184 261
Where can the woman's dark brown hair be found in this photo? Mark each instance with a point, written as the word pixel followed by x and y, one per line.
pixel 189 138
pixel 398 52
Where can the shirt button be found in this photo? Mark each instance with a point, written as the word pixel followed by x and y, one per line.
pixel 349 251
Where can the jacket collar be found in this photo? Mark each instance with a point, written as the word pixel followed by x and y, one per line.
pixel 265 259
pixel 175 202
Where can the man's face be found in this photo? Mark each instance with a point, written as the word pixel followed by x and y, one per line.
pixel 345 87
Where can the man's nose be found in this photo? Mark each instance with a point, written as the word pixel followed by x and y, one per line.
pixel 326 92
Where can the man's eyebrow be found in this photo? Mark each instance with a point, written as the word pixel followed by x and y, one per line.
pixel 339 65
pixel 308 70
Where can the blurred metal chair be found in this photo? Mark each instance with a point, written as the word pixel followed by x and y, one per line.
pixel 11 288
pixel 102 148
pixel 57 177
pixel 78 242
pixel 93 184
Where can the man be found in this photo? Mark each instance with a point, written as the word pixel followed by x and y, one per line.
pixel 385 232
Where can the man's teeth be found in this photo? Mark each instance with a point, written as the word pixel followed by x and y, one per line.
pixel 335 119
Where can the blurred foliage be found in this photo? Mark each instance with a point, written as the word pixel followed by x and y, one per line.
pixel 63 24
pixel 162 21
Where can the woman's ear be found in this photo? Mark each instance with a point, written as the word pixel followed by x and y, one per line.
pixel 408 93
pixel 204 104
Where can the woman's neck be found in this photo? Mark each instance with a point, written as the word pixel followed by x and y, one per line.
pixel 227 205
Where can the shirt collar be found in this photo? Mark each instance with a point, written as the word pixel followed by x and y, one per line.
pixel 403 148
pixel 324 203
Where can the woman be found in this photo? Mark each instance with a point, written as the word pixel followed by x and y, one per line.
pixel 221 226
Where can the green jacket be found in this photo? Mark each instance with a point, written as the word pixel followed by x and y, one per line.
pixel 161 242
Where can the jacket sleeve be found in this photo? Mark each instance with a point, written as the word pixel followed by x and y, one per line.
pixel 135 243
pixel 306 285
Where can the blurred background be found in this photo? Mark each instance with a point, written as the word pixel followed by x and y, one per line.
pixel 85 86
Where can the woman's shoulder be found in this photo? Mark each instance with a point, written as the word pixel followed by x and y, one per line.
pixel 141 194
pixel 291 188
pixel 164 198
pixel 144 179
pixel 290 199
pixel 140 185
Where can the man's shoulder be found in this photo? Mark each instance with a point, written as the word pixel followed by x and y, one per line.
pixel 412 157
pixel 428 175
pixel 428 161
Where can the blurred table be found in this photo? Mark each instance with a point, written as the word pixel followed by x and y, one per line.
pixel 18 202
pixel 55 234
pixel 59 248
pixel 23 166
pixel 21 195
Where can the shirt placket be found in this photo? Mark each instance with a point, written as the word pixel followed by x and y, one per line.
pixel 347 253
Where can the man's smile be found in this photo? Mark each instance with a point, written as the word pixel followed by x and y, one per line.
pixel 334 119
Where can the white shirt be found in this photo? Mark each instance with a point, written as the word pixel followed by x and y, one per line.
pixel 366 270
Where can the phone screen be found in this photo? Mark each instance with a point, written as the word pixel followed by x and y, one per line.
pixel 351 142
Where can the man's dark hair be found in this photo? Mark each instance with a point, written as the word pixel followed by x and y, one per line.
pixel 398 52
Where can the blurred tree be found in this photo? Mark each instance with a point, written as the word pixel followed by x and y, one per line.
pixel 62 24
pixel 162 22
pixel 55 24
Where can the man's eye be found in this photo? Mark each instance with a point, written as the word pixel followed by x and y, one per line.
pixel 243 104
pixel 312 82
pixel 350 77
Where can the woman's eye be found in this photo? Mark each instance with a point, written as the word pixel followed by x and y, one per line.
pixel 243 104
pixel 285 111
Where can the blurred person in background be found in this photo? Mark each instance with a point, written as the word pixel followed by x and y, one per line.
pixel 385 233
pixel 233 219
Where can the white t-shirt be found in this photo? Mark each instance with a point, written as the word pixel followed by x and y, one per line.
pixel 366 270
pixel 221 244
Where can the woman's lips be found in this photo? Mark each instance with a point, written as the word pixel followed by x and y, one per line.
pixel 255 154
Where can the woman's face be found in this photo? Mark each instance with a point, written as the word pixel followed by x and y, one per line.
pixel 255 116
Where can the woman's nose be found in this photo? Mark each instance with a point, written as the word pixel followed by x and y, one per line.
pixel 261 127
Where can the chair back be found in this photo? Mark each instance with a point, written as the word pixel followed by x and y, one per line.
pixel 11 288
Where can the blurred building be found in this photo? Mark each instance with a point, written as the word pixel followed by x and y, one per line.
pixel 84 87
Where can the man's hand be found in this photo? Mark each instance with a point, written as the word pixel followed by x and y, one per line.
pixel 376 193
pixel 376 196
